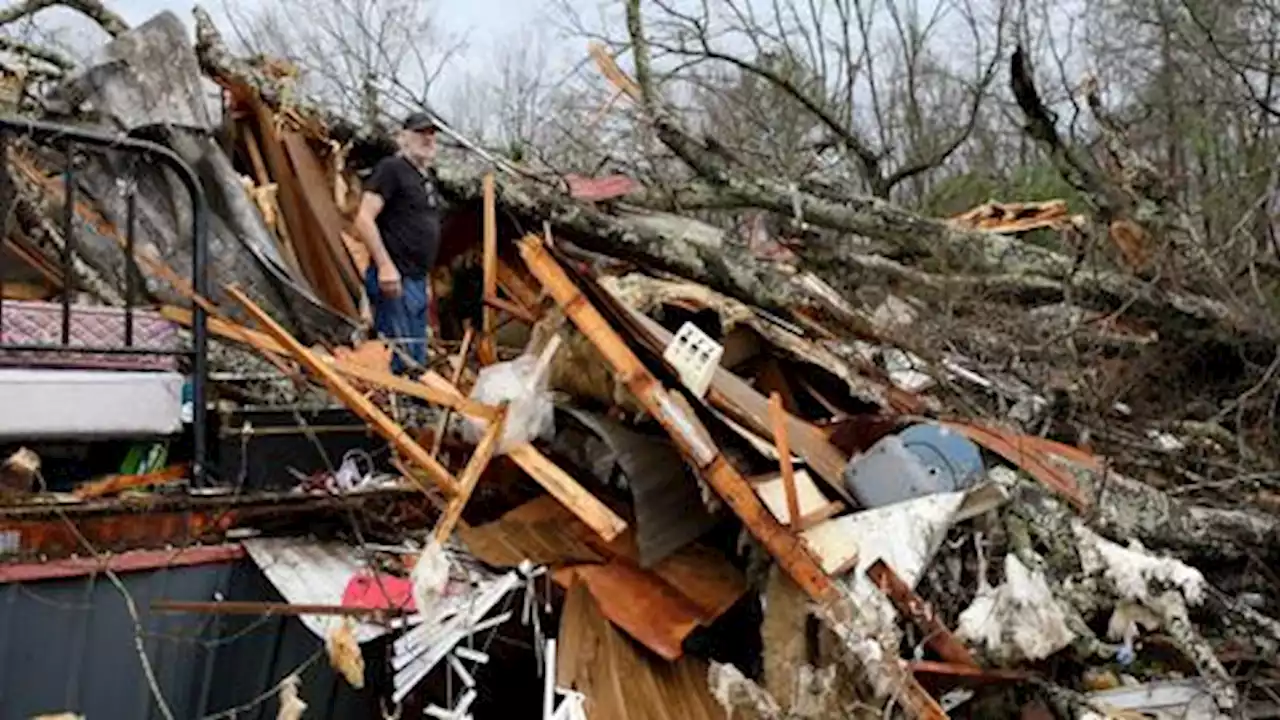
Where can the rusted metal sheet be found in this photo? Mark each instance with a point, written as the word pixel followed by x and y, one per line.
pixel 131 561
pixel 41 532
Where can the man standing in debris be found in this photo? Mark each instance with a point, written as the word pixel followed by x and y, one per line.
pixel 399 219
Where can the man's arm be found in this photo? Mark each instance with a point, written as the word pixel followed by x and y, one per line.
pixel 366 226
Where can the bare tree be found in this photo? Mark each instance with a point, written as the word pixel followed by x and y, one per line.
pixel 359 57
pixel 884 93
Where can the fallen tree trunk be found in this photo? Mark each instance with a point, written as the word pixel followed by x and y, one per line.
pixel 1020 268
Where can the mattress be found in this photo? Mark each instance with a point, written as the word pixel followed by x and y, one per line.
pixel 65 404
pixel 40 323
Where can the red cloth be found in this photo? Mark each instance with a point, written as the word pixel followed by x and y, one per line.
pixel 365 590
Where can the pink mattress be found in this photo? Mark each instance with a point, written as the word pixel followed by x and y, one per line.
pixel 40 323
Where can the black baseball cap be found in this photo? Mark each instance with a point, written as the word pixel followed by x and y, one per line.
pixel 419 121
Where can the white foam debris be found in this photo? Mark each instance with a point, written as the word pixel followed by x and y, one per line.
pixel 1018 620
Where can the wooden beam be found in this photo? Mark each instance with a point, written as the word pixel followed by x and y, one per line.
pixel 471 477
pixel 510 308
pixel 490 252
pixel 560 485
pixel 920 612
pixel 514 285
pixel 351 397
pixel 431 387
pixel 463 352
pixel 428 388
pixel 777 418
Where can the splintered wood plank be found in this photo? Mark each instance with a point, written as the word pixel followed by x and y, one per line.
pixel 351 397
pixel 471 477
pixel 323 276
pixel 936 634
pixel 513 284
pixel 777 418
pixel 619 679
pixel 653 613
pixel 431 387
pixel 317 199
pixel 585 506
pixel 704 577
pixel 809 499
pixel 490 252
pixel 460 366
pixel 834 544
pixel 742 403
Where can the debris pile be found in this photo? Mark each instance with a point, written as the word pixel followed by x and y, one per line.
pixel 725 487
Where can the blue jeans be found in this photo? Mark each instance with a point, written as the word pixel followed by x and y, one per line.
pixel 401 321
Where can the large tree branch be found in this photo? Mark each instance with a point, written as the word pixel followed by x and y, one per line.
pixel 112 23
pixel 867 158
pixel 59 61
pixel 1009 265
pixel 1041 125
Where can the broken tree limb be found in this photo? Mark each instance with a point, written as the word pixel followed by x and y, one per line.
pixel 359 404
pixel 910 235
pixel 1125 508
pixel 61 63
pixel 109 21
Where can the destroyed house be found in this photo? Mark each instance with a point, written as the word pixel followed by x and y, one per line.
pixel 652 470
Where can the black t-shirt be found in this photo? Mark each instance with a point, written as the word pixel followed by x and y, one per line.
pixel 410 219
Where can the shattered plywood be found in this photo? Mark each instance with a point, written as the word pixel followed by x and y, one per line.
pixel 813 505
pixel 619 680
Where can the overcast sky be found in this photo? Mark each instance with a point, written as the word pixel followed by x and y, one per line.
pixel 486 25
pixel 478 16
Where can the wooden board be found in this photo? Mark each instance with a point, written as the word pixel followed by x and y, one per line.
pixel 813 503
pixel 317 198
pixel 359 404
pixel 620 681
pixel 834 545
pixel 595 514
pixel 653 613
pixel 736 398
pixel 311 252
pixel 658 607
pixel 683 426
